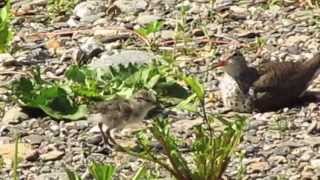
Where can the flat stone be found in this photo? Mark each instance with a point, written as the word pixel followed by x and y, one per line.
pixel 34 139
pixel 5 57
pixel 221 5
pixel 146 19
pixel 277 160
pixel 258 167
pixel 252 139
pixel 167 34
pixel 88 10
pixel 33 156
pixel 57 175
pixel 312 140
pixel 7 151
pixel 124 57
pixel 131 6
pixel 14 116
pixel 315 163
pixel 52 155
pixel 306 156
pixel 293 40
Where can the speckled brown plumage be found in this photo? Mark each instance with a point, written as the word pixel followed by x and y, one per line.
pixel 271 85
pixel 118 113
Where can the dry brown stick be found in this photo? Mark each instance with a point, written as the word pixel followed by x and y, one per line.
pixel 8 72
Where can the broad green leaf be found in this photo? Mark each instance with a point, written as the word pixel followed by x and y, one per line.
pixel 75 74
pixel 81 112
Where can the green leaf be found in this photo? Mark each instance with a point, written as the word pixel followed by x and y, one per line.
pixel 189 104
pixel 5 28
pixel 196 86
pixel 153 81
pixel 81 112
pixel 102 171
pixel 23 86
pixel 48 97
pixel 75 74
pixel 143 174
pixel 152 27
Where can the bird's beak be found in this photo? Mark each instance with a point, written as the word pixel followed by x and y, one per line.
pixel 222 63
pixel 224 60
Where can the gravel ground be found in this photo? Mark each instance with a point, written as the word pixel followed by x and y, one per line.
pixel 277 145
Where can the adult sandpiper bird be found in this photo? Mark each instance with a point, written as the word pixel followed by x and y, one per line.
pixel 118 113
pixel 267 87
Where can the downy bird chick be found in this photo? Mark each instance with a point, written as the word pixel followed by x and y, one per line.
pixel 118 113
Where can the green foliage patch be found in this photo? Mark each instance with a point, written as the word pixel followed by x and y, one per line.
pixel 6 33
pixel 67 99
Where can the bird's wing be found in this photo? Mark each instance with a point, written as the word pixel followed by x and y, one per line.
pixel 277 76
pixel 117 110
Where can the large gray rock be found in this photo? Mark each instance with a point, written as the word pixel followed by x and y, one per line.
pixel 14 116
pixel 146 19
pixel 89 11
pixel 131 6
pixel 124 57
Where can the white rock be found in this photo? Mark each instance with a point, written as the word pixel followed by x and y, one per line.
pixel 52 155
pixel 14 115
pixel 315 163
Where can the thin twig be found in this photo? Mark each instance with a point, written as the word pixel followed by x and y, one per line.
pixel 205 117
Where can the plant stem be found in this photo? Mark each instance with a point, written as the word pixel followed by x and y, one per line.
pixel 172 161
pixel 205 117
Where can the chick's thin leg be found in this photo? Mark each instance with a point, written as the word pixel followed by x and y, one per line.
pixel 105 139
pixel 110 136
pixel 115 145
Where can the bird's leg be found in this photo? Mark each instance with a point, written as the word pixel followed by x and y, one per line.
pixel 115 145
pixel 105 139
pixel 110 137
